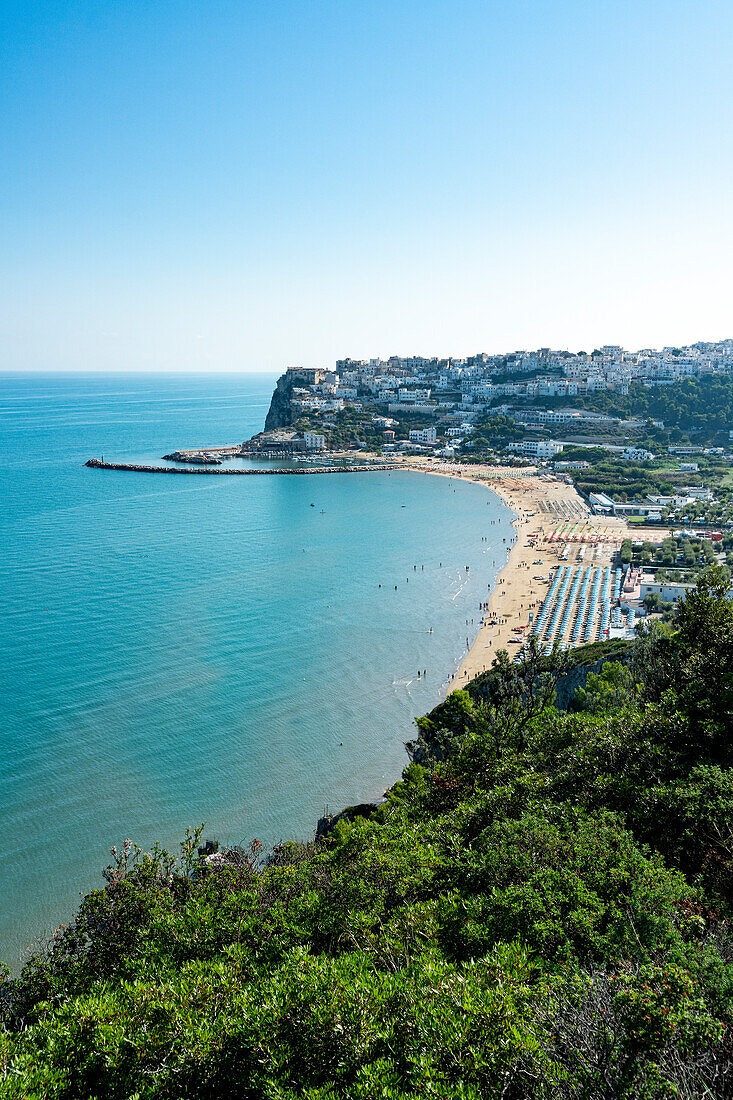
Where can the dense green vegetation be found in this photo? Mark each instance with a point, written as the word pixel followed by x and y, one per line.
pixel 345 429
pixel 353 427
pixel 621 481
pixel 541 908
pixel 678 559
pixel 702 404
pixel 490 432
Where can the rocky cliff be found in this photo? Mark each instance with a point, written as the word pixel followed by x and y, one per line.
pixel 280 414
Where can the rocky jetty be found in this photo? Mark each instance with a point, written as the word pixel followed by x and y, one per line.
pixel 299 471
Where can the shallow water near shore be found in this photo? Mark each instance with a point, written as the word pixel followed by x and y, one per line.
pixel 216 649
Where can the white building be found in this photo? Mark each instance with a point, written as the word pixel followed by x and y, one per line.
pixel 666 590
pixel 537 448
pixel 636 454
pixel 423 435
pixel 697 492
pixel 400 407
pixel 314 441
pixel 566 416
pixel 414 396
pixel 601 504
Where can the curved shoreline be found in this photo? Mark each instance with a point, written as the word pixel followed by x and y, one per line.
pixel 517 593
pixel 490 636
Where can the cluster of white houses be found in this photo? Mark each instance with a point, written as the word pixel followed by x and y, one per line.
pixel 454 392
pixel 548 448
pixel 609 367
pixel 458 390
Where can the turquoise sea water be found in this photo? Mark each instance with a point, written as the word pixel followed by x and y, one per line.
pixel 204 649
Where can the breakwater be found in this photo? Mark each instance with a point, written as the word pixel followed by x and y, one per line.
pixel 206 471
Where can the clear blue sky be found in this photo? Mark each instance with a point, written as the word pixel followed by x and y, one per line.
pixel 248 185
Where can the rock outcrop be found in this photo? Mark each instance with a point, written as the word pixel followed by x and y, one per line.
pixel 197 459
pixel 280 414
pixel 328 822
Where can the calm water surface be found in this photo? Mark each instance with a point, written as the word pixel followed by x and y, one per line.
pixel 204 649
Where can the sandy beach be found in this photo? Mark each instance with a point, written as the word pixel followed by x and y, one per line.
pixel 552 524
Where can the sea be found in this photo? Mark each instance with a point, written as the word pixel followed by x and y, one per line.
pixel 239 652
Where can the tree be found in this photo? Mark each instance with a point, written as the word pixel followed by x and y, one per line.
pixel 705 665
pixel 517 693
pixel 609 689
pixel 669 552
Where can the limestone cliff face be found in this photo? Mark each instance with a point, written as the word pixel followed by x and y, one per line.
pixel 280 414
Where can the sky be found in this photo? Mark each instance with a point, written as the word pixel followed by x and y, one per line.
pixel 247 185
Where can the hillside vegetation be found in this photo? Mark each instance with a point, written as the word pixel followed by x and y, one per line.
pixel 541 908
pixel 702 404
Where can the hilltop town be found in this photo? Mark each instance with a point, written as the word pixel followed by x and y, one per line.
pixel 644 434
